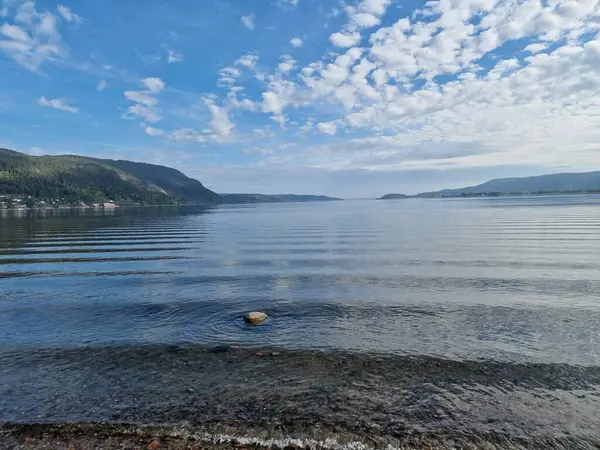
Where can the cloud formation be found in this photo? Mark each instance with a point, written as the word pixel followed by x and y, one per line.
pixel 102 84
pixel 287 4
pixel 174 57
pixel 31 38
pixel 145 103
pixel 67 14
pixel 426 87
pixel 248 21
pixel 57 103
pixel 455 84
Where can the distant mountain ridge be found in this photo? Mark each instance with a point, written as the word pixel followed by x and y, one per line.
pixel 73 179
pixel 307 198
pixel 241 199
pixel 553 183
pixel 278 198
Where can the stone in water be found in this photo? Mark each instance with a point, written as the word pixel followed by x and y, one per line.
pixel 255 317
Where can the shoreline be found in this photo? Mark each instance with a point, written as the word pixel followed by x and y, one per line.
pixel 210 205
pixel 220 437
pixel 98 208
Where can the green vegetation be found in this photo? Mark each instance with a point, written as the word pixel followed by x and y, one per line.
pixel 241 199
pixel 232 199
pixel 393 196
pixel 68 180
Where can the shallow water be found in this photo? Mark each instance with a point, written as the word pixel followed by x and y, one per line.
pixel 458 314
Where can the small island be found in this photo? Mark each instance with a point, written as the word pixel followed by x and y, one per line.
pixel 393 197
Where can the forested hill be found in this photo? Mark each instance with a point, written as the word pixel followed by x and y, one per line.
pixel 553 183
pixel 91 180
pixel 279 198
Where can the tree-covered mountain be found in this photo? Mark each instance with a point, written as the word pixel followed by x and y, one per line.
pixel 278 198
pixel 393 197
pixel 556 183
pixel 91 180
pixel 241 199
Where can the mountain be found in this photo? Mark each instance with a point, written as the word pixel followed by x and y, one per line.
pixel 240 199
pixel 278 198
pixel 393 197
pixel 306 198
pixel 556 183
pixel 74 179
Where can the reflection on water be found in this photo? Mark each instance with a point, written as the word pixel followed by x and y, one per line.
pixel 504 285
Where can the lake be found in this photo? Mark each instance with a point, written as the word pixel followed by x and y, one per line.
pixel 386 318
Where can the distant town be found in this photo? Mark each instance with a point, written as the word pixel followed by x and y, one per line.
pixel 29 202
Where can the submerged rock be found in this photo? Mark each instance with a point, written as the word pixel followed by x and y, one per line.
pixel 255 317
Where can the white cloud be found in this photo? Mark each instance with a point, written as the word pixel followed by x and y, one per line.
pixel 144 98
pixel 151 131
pixel 279 95
pixel 57 103
pixel 102 84
pixel 366 14
pixel 536 48
pixel 32 39
pixel 154 85
pixel 287 4
pixel 327 128
pixel 248 21
pixel 145 104
pixel 220 123
pixel 15 33
pixel 376 7
pixel 258 151
pixel 148 113
pixel 263 132
pixel 187 134
pixel 174 57
pixel 287 64
pixel 228 76
pixel 346 39
pixel 296 42
pixel 364 20
pixel 249 61
pixel 531 107
pixel 67 14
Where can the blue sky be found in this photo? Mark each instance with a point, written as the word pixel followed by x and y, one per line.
pixel 351 98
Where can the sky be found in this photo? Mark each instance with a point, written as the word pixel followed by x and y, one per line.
pixel 353 98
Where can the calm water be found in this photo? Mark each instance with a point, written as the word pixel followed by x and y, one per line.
pixel 475 315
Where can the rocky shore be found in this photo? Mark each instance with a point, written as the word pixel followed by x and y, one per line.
pixel 104 436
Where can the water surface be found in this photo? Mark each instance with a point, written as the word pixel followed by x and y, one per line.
pixel 454 314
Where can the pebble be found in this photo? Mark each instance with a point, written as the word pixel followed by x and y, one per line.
pixel 260 354
pixel 275 354
pixel 153 445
